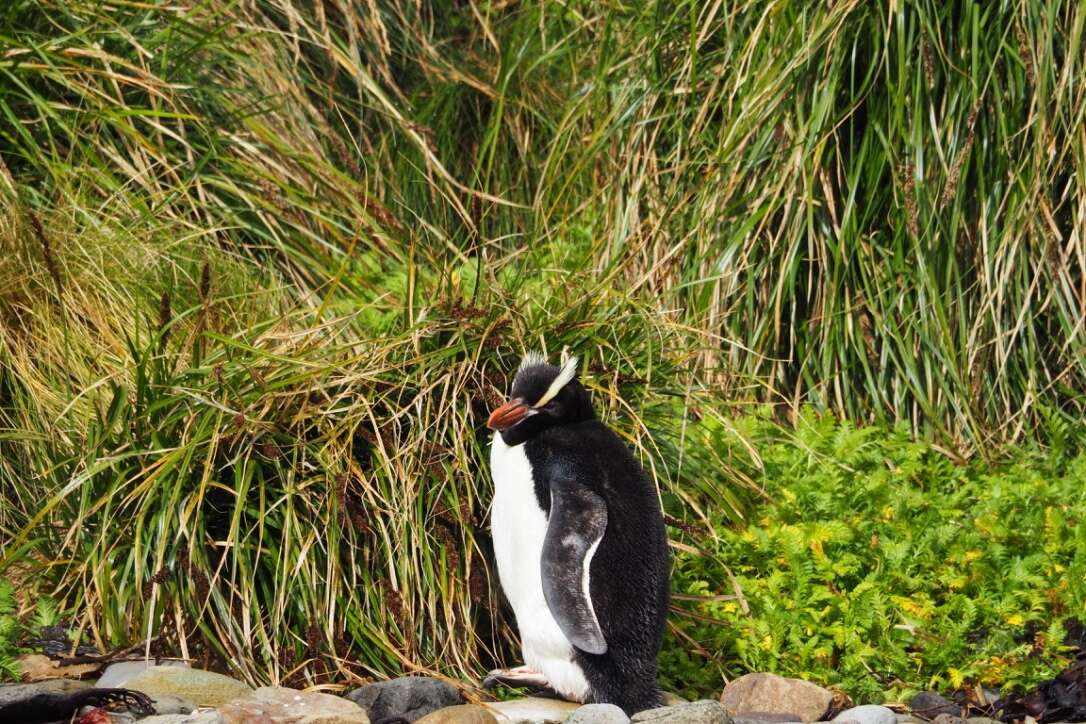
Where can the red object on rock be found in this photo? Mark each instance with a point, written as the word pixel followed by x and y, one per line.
pixel 95 716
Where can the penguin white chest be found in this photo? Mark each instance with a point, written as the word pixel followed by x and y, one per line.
pixel 518 526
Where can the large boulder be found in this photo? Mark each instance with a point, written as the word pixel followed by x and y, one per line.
pixel 193 686
pixel 770 693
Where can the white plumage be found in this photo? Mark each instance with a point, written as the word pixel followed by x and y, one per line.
pixel 518 526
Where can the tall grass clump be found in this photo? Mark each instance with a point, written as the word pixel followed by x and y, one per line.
pixel 266 264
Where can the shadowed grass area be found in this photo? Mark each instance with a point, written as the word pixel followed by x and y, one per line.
pixel 266 264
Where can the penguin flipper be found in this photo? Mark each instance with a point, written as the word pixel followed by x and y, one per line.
pixel 578 519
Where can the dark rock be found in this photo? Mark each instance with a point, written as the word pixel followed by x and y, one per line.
pixel 60 699
pixel 409 697
pixel 928 704
pixel 1062 698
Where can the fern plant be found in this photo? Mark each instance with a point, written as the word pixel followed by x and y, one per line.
pixel 9 632
pixel 882 567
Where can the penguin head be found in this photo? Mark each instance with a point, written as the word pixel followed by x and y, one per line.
pixel 543 396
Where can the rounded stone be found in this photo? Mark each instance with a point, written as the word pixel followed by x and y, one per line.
pixel 459 714
pixel 695 712
pixel 410 697
pixel 765 717
pixel 166 704
pixel 290 706
pixel 867 714
pixel 598 714
pixel 531 710
pixel 117 675
pixel 948 719
pixel 761 692
pixel 201 688
pixel 928 704
pixel 203 717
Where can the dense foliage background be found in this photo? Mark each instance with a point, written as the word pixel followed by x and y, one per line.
pixel 265 265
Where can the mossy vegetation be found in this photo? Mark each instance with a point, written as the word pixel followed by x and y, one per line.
pixel 264 266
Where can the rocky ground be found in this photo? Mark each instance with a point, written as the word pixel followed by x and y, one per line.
pixel 174 693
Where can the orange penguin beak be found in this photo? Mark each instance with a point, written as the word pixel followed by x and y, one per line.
pixel 508 415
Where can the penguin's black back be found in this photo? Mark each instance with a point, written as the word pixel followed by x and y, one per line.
pixel 629 573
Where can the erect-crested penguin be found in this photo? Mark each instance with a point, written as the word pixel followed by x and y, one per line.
pixel 580 544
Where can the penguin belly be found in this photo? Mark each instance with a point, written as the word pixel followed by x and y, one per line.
pixel 518 526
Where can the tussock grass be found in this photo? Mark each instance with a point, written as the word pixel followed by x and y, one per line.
pixel 265 264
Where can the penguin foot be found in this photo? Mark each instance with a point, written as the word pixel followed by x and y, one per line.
pixel 517 677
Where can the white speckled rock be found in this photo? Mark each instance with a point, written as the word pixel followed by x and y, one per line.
pixel 598 714
pixel 867 714
pixel 201 688
pixel 117 676
pixel 290 706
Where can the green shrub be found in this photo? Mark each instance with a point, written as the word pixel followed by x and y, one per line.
pixel 880 566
